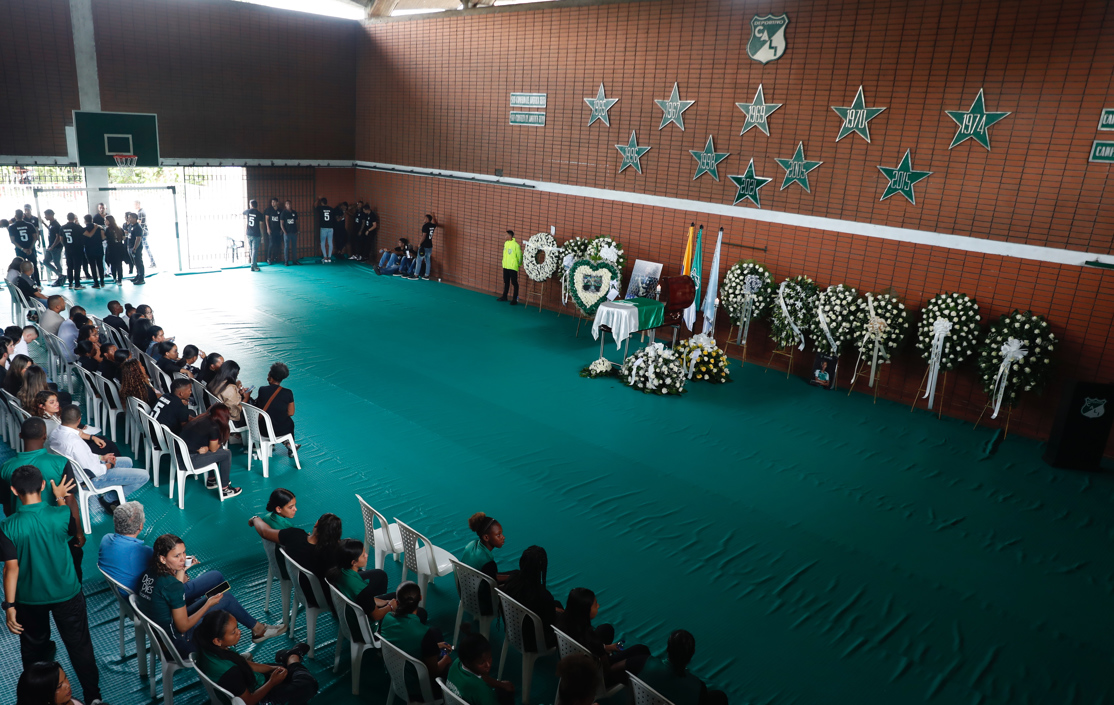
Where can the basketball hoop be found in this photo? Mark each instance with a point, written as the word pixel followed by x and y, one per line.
pixel 126 164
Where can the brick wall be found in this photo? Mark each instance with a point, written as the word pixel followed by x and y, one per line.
pixel 38 82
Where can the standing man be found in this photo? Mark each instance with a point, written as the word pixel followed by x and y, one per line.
pixel 73 242
pixel 360 222
pixel 274 229
pixel 425 249
pixel 512 260
pixel 289 222
pixel 99 219
pixel 101 213
pixel 254 232
pixel 135 246
pixel 324 216
pixel 40 580
pixel 29 216
pixel 141 216
pixel 371 230
pixel 23 236
pixel 53 256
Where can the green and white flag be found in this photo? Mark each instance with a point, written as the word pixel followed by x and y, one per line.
pixel 694 272
pixel 712 292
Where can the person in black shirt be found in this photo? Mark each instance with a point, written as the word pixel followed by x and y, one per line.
pixel 75 250
pixel 23 236
pixel 254 233
pixel 205 437
pixel 113 318
pixel 93 241
pixel 24 283
pixel 174 411
pixel 325 223
pixel 53 256
pixel 99 218
pixel 425 249
pixel 116 249
pixel 277 400
pixel 135 246
pixel 110 369
pixel 288 220
pixel 316 552
pixel 274 230
pixel 167 358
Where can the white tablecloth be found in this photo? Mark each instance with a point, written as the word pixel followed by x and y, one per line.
pixel 620 317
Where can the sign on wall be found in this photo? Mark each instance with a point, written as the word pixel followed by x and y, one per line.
pixel 757 111
pixel 672 109
pixel 1102 152
pixel 707 160
pixel 797 168
pixel 600 105
pixel 528 100
pixel 855 117
pixel 767 38
pixel 531 119
pixel 632 153
pixel 902 179
pixel 1106 122
pixel 747 185
pixel 974 123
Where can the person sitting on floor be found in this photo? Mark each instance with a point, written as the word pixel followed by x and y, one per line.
pixel 406 630
pixel 13 380
pixel 103 470
pixel 576 621
pixel 177 603
pixel 166 358
pixel 316 551
pixel 397 263
pixel 135 383
pixel 28 335
pixel 277 401
pixel 110 367
pixel 88 355
pixel 44 683
pixel 114 319
pixel 226 387
pixel 579 680
pixel 470 675
pixel 365 587
pixel 205 437
pixel 289 682
pixel 527 587
pixel 122 555
pixel 670 676
pixel 210 366
pixel 173 411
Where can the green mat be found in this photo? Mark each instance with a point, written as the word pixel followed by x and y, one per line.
pixel 821 548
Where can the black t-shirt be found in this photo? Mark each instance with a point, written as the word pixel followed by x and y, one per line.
pixel 198 433
pixel 135 234
pixel 170 367
pixel 278 407
pixel 272 217
pixel 324 216
pixel 338 218
pixel 71 236
pixel 116 322
pixel 427 231
pixel 289 221
pixel 22 234
pixel 255 222
pixel 25 285
pixel 55 239
pixel 99 219
pixel 296 544
pixel 370 219
pixel 33 220
pixel 109 369
pixel 93 238
pixel 172 413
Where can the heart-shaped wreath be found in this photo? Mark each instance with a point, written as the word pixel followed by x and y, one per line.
pixel 589 283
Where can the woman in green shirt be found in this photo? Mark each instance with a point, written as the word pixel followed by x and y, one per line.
pixel 288 682
pixel 405 629
pixel 364 587
pixel 281 508
pixel 470 675
pixel 479 554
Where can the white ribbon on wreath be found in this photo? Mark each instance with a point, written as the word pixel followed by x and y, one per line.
pixel 827 331
pixel 941 327
pixel 876 327
pixel 701 343
pixel 751 285
pixel 1011 352
pixel 785 310
pixel 651 353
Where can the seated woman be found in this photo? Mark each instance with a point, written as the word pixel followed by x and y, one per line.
pixel 88 356
pixel 157 336
pixel 289 682
pixel 141 332
pixel 190 356
pixel 527 587
pixel 670 676
pixel 108 351
pixel 35 381
pixel 277 401
pixel 48 406
pixel 44 683
pixel 176 603
pixel 478 554
pixel 470 675
pixel 110 367
pixel 316 551
pixel 205 437
pixel 209 367
pixel 226 387
pixel 281 508
pixel 13 381
pixel 166 358
pixel 89 332
pixel 406 630
pixel 135 383
pixel 14 267
pixel 366 588
pixel 576 621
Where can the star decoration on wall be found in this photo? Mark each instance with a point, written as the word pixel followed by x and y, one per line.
pixel 856 116
pixel 673 108
pixel 902 178
pixel 707 159
pixel 748 185
pixel 797 168
pixel 974 123
pixel 631 154
pixel 757 111
pixel 600 105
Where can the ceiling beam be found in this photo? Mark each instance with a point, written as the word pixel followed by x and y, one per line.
pixel 381 8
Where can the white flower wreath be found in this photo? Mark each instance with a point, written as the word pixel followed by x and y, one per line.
pixel 655 369
pixel 800 304
pixel 1016 356
pixel 704 359
pixel 545 245
pixel 960 339
pixel 734 287
pixel 839 304
pixel 893 315
pixel 606 249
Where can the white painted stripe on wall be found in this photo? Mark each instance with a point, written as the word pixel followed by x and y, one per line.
pixel 20 160
pixel 851 227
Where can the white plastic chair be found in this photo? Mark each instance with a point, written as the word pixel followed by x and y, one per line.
pixel 294 570
pixel 7 421
pixel 261 435
pixel 167 652
pixel 357 643
pixel 395 659
pixel 135 422
pixel 451 698
pixel 386 539
pixel 571 647
pixel 157 445
pixel 199 402
pixel 274 572
pixel 63 366
pixel 92 402
pixel 514 615
pixel 422 557
pixel 16 417
pixel 242 429
pixel 86 490
pixel 217 694
pixel 111 407
pixel 468 582
pixel 126 612
pixel 153 371
pixel 644 694
pixel 183 468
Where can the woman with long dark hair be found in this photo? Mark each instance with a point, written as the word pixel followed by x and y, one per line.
pixel 282 505
pixel 316 551
pixel 94 250
pixel 209 367
pixel 580 609
pixel 527 587
pixel 140 331
pixel 365 587
pixel 13 381
pixel 47 406
pixel 44 683
pixel 405 629
pixel 110 367
pixel 288 682
pixel 205 437
pixel 226 387
pixel 134 382
pixel 115 250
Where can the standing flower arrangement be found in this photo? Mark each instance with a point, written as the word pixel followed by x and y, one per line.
pixel 733 293
pixel 600 368
pixel 1016 356
pixel 606 249
pixel 947 335
pixel 793 305
pixel 541 244
pixel 704 359
pixel 833 321
pixel 575 249
pixel 654 369
pixel 881 323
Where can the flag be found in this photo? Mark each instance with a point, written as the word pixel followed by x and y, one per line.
pixel 694 272
pixel 686 263
pixel 712 291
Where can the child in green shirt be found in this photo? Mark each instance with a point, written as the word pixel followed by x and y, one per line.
pixel 470 675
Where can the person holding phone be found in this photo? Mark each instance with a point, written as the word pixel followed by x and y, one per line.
pixel 226 386
pixel 580 609
pixel 365 587
pixel 176 603
pixel 405 629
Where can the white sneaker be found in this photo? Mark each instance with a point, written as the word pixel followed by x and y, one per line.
pixel 270 631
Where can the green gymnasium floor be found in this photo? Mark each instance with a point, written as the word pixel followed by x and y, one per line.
pixel 821 548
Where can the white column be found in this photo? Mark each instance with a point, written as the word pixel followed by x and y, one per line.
pixel 88 84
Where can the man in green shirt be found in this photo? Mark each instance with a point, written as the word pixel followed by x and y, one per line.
pixel 512 260
pixel 40 580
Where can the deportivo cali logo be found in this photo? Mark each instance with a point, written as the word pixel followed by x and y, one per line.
pixel 767 38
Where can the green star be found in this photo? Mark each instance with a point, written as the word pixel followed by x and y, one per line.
pixel 856 117
pixel 631 154
pixel 796 169
pixel 902 179
pixel 973 123
pixel 707 159
pixel 748 185
pixel 757 112
pixel 600 105
pixel 673 108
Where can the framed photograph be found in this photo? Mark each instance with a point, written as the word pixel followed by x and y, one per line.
pixel 824 371
pixel 643 279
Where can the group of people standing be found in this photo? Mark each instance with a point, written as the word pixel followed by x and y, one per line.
pixel 92 247
pixel 339 227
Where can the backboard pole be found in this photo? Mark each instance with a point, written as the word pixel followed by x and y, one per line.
pixel 177 234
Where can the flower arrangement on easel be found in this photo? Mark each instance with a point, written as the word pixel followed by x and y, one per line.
pixel 947 335
pixel 1016 357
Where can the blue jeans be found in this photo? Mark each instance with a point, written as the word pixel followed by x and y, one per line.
pixel 253 249
pixel 424 257
pixel 290 243
pixel 327 242
pixel 394 264
pixel 52 260
pixel 129 478
pixel 195 590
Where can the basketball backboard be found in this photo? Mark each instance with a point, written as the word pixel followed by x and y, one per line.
pixel 102 136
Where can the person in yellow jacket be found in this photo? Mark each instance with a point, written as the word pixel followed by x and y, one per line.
pixel 512 260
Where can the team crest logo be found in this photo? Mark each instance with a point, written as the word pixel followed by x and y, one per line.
pixel 767 38
pixel 1093 408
